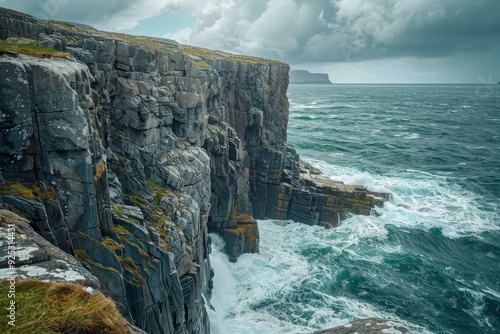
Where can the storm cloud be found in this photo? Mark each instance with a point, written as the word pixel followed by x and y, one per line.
pixel 349 30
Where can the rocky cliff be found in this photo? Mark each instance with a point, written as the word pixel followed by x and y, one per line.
pixel 125 151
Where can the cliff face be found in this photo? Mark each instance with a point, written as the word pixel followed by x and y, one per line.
pixel 126 152
pixel 95 195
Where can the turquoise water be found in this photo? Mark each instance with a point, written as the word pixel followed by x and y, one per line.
pixel 431 260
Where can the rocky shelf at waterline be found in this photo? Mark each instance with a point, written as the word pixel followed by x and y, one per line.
pixel 367 326
pixel 123 151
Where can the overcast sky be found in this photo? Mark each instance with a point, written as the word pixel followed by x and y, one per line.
pixel 354 41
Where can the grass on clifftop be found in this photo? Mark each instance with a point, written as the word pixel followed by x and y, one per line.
pixel 59 308
pixel 207 53
pixel 168 44
pixel 31 50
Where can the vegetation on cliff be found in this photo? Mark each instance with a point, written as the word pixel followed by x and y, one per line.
pixel 60 308
pixel 31 50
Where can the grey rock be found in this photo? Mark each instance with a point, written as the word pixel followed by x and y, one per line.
pixel 35 257
pixel 35 211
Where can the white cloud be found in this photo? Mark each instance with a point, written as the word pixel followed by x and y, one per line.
pixel 224 24
pixel 275 29
pixel 181 36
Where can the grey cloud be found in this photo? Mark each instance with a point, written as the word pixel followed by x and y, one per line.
pixel 300 31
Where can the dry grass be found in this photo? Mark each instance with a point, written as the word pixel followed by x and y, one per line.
pixel 202 65
pixel 61 24
pixel 2 14
pixel 111 244
pixel 31 50
pixel 215 54
pixel 165 44
pixel 60 308
pixel 150 43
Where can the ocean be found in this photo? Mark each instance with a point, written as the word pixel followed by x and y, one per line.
pixel 430 259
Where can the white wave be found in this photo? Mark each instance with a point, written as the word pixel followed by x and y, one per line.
pixel 412 136
pixel 303 115
pixel 357 228
pixel 241 288
pixel 299 107
pixel 423 201
pixel 320 104
pixel 344 105
pixel 255 278
pixel 475 306
pixel 363 179
pixel 245 292
pixel 223 302
pixel 495 294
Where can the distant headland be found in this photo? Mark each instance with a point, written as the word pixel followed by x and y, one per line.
pixel 305 77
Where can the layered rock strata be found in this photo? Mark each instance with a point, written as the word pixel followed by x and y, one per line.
pixel 35 257
pixel 126 150
pixel 306 195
